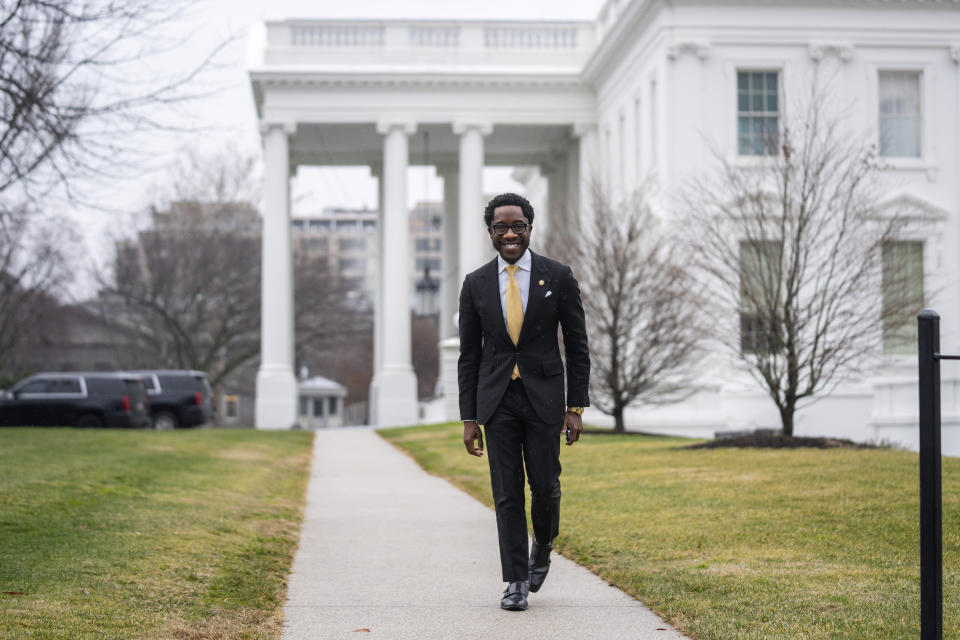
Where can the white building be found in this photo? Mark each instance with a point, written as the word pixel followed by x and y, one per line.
pixel 321 403
pixel 346 239
pixel 648 88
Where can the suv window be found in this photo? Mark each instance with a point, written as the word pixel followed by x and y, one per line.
pixel 134 389
pixel 64 385
pixel 104 385
pixel 150 383
pixel 36 386
pixel 181 383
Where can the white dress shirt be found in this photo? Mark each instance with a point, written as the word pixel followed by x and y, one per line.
pixel 522 276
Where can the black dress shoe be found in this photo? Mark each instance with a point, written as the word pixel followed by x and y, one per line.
pixel 539 564
pixel 515 596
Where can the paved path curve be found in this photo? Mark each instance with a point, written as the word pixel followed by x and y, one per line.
pixel 390 548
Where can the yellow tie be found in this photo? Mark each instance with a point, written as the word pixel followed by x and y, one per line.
pixel 514 312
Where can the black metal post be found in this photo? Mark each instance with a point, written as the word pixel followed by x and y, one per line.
pixel 931 515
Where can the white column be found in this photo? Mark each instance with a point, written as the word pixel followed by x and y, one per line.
pixel 451 254
pixel 589 177
pixel 449 339
pixel 397 383
pixel 377 172
pixel 474 243
pixel 572 184
pixel 557 192
pixel 276 403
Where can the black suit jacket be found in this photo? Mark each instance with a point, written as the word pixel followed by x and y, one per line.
pixel 487 354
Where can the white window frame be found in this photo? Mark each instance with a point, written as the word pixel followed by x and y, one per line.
pixel 925 224
pixel 736 118
pixel 731 69
pixel 927 159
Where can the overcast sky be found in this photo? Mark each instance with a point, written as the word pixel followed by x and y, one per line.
pixel 227 117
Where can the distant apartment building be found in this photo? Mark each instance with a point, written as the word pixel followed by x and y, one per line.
pixel 347 238
pixel 426 236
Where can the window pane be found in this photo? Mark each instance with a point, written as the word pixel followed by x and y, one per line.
pixel 759 295
pixel 771 82
pixel 902 295
pixel 318 406
pixel 63 385
pixel 900 119
pixel 758 110
pixel 37 386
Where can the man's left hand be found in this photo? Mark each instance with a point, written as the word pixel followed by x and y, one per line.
pixel 574 423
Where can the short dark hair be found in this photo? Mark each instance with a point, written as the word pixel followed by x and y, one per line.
pixel 507 199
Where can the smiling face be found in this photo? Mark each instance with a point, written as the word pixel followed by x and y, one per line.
pixel 511 244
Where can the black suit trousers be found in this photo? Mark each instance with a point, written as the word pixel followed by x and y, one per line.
pixel 516 437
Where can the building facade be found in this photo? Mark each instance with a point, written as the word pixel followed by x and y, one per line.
pixel 345 240
pixel 649 90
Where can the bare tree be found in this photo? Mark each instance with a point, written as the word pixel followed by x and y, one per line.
pixel 190 289
pixel 641 306
pixel 333 324
pixel 792 246
pixel 189 285
pixel 74 86
pixel 33 271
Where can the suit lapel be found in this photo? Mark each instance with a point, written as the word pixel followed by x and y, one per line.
pixel 491 293
pixel 538 273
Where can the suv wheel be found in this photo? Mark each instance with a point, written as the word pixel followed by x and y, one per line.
pixel 164 421
pixel 89 421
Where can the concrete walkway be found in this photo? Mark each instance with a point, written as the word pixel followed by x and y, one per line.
pixel 388 548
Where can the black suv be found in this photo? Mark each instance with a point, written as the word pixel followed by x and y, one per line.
pixel 76 399
pixel 178 398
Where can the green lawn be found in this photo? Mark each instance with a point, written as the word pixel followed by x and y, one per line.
pixel 735 543
pixel 140 534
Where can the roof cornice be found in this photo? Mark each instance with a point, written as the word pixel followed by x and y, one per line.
pixel 385 78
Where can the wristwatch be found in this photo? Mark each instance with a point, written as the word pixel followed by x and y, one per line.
pixel 576 410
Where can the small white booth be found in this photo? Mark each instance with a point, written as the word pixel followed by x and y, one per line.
pixel 321 403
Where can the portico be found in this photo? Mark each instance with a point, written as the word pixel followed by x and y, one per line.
pixel 372 94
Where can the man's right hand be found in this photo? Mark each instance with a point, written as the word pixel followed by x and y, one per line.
pixel 473 438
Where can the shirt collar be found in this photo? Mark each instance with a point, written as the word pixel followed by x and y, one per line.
pixel 525 262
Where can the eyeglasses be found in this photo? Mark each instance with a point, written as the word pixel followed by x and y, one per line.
pixel 519 228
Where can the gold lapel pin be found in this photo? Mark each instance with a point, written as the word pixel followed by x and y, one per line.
pixel 541 283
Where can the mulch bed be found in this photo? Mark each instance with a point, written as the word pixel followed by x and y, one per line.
pixel 780 442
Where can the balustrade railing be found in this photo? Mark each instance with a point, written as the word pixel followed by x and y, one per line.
pixel 530 37
pixel 336 35
pixel 571 38
pixel 443 37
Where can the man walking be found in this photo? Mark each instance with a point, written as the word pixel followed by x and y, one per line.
pixel 511 381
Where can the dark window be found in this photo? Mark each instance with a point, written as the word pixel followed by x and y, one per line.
pixel 101 386
pixel 333 406
pixel 318 406
pixel 181 383
pixel 758 113
pixel 760 293
pixel 63 385
pixel 902 295
pixel 36 386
